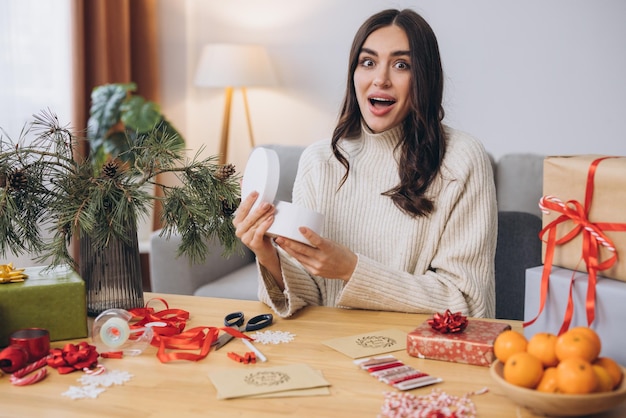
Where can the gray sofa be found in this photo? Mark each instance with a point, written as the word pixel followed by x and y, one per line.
pixel 233 277
pixel 518 177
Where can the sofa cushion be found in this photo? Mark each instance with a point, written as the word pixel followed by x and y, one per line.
pixel 240 284
pixel 519 182
pixel 519 248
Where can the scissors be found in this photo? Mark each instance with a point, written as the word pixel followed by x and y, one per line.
pixel 236 319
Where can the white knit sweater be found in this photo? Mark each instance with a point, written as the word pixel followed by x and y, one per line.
pixel 406 264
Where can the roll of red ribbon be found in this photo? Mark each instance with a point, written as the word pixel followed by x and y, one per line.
pixel 13 358
pixel 36 342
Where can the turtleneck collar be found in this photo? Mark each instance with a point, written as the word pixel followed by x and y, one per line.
pixel 379 142
pixel 389 137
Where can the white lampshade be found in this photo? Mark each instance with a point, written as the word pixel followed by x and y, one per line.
pixel 232 65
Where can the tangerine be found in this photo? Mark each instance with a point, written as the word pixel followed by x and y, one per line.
pixel 575 375
pixel 523 369
pixel 605 381
pixel 542 345
pixel 549 382
pixel 613 368
pixel 576 343
pixel 508 343
pixel 591 334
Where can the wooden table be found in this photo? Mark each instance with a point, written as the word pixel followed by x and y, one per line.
pixel 182 389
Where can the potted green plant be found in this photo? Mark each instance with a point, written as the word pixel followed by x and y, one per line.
pixel 45 186
pixel 117 117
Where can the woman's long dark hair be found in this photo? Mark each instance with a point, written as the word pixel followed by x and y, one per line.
pixel 425 144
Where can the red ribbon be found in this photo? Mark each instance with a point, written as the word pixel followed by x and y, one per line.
pixel 174 336
pixel 175 320
pixel 73 357
pixel 448 322
pixel 594 237
pixel 112 354
pixel 13 358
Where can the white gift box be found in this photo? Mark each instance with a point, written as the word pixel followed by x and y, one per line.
pixel 262 175
pixel 610 307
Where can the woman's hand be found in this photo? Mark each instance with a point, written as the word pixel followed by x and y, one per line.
pixel 250 228
pixel 325 258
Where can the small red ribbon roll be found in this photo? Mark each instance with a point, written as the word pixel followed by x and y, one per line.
pixel 448 322
pixel 247 358
pixel 112 354
pixel 13 358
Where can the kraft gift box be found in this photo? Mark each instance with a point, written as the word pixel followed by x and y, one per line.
pixel 52 299
pixel 610 309
pixel 473 345
pixel 566 178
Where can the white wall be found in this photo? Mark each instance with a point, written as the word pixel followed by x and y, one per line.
pixel 523 76
pixel 35 72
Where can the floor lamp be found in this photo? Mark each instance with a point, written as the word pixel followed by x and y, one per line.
pixel 231 66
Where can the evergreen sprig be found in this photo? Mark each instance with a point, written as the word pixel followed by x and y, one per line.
pixel 45 186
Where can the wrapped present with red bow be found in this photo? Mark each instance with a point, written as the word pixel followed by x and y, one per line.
pixel 584 221
pixel 452 337
pixel 584 226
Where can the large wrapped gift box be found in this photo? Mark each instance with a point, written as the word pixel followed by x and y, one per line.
pixel 565 178
pixel 53 299
pixel 473 345
pixel 610 309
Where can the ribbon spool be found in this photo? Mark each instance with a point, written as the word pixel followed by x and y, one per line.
pixel 111 332
pixel 13 358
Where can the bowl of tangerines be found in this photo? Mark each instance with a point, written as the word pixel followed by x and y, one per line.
pixel 558 375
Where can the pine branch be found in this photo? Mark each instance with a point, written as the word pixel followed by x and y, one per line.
pixel 43 187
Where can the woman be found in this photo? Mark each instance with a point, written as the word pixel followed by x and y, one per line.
pixel 409 204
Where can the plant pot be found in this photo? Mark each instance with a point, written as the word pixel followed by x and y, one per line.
pixel 112 275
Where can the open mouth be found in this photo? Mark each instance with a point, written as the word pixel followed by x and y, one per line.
pixel 380 102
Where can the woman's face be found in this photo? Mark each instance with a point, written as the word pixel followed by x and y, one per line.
pixel 382 78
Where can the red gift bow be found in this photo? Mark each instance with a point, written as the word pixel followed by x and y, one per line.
pixel 593 237
pixel 448 322
pixel 73 357
pixel 174 336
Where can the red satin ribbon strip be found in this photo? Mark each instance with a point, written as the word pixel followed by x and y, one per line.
pixel 173 336
pixel 594 237
pixel 112 354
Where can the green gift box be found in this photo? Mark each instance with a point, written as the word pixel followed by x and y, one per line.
pixel 50 298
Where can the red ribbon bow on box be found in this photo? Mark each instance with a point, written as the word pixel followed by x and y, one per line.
pixel 448 322
pixel 594 237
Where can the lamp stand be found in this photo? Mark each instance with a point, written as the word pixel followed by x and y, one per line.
pixel 228 96
pixel 245 104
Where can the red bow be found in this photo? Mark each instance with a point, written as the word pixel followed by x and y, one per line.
pixel 448 322
pixel 73 357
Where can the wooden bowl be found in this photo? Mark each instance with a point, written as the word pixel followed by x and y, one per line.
pixel 556 404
